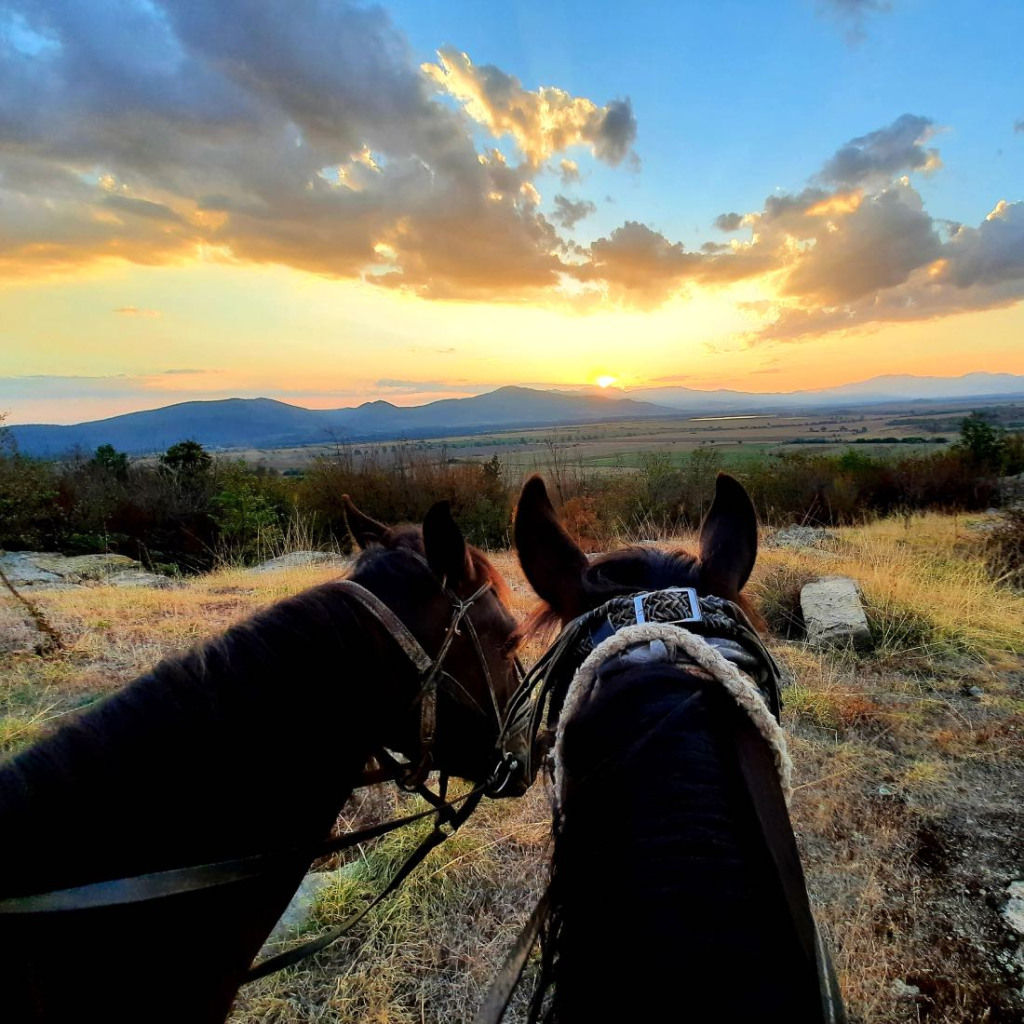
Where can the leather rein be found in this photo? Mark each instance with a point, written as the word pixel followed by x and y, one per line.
pixel 410 776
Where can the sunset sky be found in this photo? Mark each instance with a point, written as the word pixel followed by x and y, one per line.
pixel 328 203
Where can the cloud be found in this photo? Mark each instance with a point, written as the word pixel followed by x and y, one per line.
pixel 1018 126
pixel 151 314
pixel 729 221
pixel 875 246
pixel 883 153
pixel 568 213
pixel 978 268
pixel 298 133
pixel 854 14
pixel 641 266
pixel 542 123
pixel 569 172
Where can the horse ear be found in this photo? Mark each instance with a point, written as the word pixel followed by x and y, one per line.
pixel 365 531
pixel 444 545
pixel 551 561
pixel 728 539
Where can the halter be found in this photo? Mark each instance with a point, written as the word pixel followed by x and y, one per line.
pixel 410 776
pixel 534 709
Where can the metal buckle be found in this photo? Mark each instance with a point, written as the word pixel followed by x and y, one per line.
pixel 689 593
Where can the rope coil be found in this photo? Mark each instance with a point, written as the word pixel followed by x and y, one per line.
pixel 704 656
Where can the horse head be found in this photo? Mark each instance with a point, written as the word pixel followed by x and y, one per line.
pixel 570 585
pixel 424 574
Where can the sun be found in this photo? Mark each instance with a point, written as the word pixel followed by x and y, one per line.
pixel 606 381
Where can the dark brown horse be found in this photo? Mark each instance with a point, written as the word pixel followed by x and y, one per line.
pixel 249 744
pixel 676 888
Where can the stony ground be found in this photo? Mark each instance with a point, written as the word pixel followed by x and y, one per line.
pixel 908 808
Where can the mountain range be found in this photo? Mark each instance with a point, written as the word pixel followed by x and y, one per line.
pixel 266 423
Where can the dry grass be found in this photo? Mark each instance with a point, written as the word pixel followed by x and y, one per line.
pixel 908 804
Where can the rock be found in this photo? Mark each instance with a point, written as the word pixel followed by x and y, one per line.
pixel 901 990
pixel 794 536
pixel 22 569
pixel 326 559
pixel 833 614
pixel 87 567
pixel 1013 912
pixel 299 911
pixel 975 691
pixel 48 570
pixel 141 578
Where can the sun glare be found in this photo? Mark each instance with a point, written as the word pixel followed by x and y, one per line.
pixel 604 382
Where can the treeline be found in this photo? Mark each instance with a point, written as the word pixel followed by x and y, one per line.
pixel 187 511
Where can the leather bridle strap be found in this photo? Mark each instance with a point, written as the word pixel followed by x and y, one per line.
pixel 445 816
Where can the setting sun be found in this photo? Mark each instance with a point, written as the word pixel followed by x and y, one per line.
pixel 604 382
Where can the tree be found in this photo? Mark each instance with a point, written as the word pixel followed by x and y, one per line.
pixel 187 460
pixel 981 442
pixel 111 460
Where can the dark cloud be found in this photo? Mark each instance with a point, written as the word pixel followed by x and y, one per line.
pixel 854 14
pixel 883 153
pixel 616 133
pixel 568 213
pixel 729 221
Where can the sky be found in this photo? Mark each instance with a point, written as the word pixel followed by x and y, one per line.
pixel 329 203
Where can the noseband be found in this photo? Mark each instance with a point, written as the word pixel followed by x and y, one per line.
pixel 534 710
pixel 431 674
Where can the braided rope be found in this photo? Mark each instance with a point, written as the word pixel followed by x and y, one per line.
pixel 702 654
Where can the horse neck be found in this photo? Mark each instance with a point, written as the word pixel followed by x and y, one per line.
pixel 250 743
pixel 662 882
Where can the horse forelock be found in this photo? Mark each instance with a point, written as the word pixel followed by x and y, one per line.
pixel 629 571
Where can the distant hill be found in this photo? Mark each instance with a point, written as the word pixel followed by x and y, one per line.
pixel 888 388
pixel 265 423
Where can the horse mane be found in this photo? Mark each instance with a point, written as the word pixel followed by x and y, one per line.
pixel 620 573
pixel 259 662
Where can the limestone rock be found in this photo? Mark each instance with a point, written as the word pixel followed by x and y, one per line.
pixel 1013 912
pixel 327 559
pixel 49 570
pixel 795 536
pixel 833 613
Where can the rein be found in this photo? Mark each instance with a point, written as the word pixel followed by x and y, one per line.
pixel 410 776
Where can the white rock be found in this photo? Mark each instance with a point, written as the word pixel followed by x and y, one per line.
pixel 299 912
pixel 1013 912
pixel 833 613
pixel 795 536
pixel 326 559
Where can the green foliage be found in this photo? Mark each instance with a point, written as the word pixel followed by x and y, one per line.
pixel 188 460
pixel 112 461
pixel 249 518
pixel 981 442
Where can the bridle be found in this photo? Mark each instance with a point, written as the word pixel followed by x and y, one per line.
pixel 431 675
pixel 726 637
pixel 535 706
pixel 411 776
